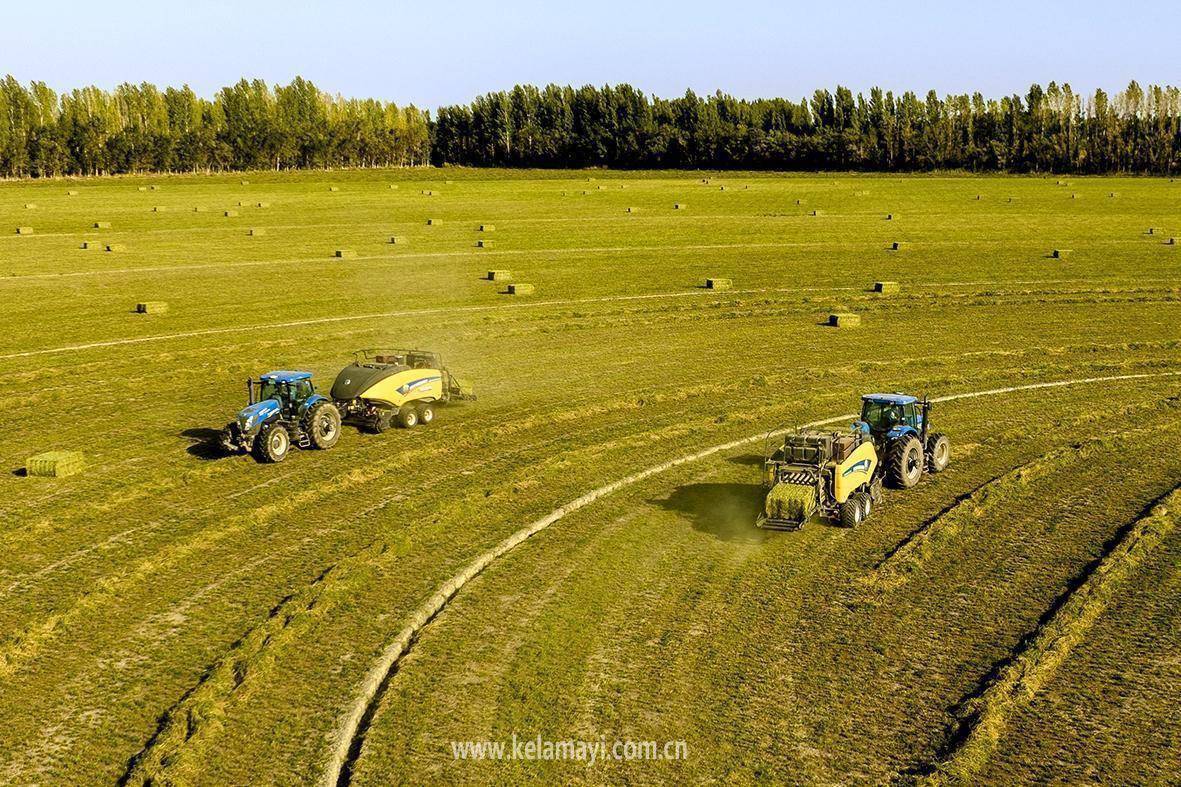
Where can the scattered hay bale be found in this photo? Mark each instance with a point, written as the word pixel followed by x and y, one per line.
pixel 1058 253
pixel 245 183
pixel 844 320
pixel 154 188
pixel 158 209
pixel 398 239
pixel 1150 231
pixel 483 244
pixel 433 222
pixel 102 225
pixel 24 230
pixel 718 284
pixel 142 188
pixel 1111 194
pixel 71 193
pixel 487 228
pixel 896 246
pixel 633 210
pixel 229 214
pixel 30 205
pixel 254 232
pixel 799 202
pixel 334 188
pixel 151 307
pixel 115 247
pixel 499 275
pixel 89 244
pixel 889 217
pixel 55 464
pixel 241 203
pixel 1074 196
pixel 345 254
pixel 679 206
pixel 977 197
pixel 815 213
pixel 520 289
pixel 428 192
pixel 393 186
pixel 721 188
pixel 886 287
pixel 200 209
pixel 262 204
pixel 1171 242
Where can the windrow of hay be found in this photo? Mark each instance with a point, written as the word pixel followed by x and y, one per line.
pixel 985 715
pixel 55 464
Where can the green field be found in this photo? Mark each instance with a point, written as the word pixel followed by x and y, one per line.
pixel 176 616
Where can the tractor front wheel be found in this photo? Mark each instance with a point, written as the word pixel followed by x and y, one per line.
pixel 904 462
pixel 938 452
pixel 272 444
pixel 323 425
pixel 408 417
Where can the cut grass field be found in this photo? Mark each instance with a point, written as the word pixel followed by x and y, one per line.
pixel 169 614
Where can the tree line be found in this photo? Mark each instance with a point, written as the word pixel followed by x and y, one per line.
pixel 250 125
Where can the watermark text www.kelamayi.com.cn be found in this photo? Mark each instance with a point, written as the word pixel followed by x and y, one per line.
pixel 589 752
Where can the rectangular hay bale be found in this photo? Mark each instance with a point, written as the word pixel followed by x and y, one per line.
pixel 116 247
pixel 254 232
pixel 718 284
pixel 398 239
pixel 886 287
pixel 151 307
pixel 499 275
pixel 71 193
pixel 433 222
pixel 520 289
pixel 55 464
pixel 262 204
pixel 24 230
pixel 345 254
pixel 487 228
pixel 89 244
pixel 334 188
pixel 483 244
pixel 844 320
pixel 30 205
pixel 229 214
pixel 102 225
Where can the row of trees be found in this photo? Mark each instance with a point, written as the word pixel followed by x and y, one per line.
pixel 251 125
pixel 1054 129
pixel 138 128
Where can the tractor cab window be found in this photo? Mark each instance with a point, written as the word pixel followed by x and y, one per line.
pixel 268 390
pixel 881 416
pixel 301 389
pixel 911 414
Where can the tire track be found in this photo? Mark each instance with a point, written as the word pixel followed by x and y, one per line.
pixel 349 737
pixel 985 714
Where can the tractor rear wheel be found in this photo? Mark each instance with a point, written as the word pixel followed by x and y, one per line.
pixel 323 425
pixel 938 452
pixel 851 512
pixel 904 462
pixel 408 417
pixel 426 413
pixel 272 443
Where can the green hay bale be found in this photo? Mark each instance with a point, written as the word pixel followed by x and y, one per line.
pixel 158 209
pixel 245 183
pixel 398 239
pixel 1111 194
pixel 520 289
pixel 200 209
pixel 433 222
pixel 896 246
pixel 718 284
pixel 89 244
pixel 1171 242
pixel 345 254
pixel 255 232
pixel 816 213
pixel 499 275
pixel 30 205
pixel 262 204
pixel 1058 253
pixel 151 307
pixel 334 188
pixel 241 203
pixel 793 502
pixel 154 188
pixel 24 230
pixel 483 244
pixel 393 187
pixel 229 214
pixel 487 228
pixel 55 464
pixel 978 197
pixel 721 188
pixel 889 217
pixel 886 287
pixel 71 193
pixel 799 202
pixel 633 210
pixel 102 225
pixel 1151 231
pixel 142 188
pixel 844 320
pixel 115 247
pixel 679 206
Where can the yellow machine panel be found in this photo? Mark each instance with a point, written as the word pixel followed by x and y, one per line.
pixel 856 470
pixel 411 385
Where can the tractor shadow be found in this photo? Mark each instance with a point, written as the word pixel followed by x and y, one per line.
pixel 204 443
pixel 725 511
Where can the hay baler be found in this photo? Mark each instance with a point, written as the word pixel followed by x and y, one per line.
pixel 383 387
pixel 819 473
pixel 283 409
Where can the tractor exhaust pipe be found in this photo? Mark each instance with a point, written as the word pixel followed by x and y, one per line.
pixel 250 390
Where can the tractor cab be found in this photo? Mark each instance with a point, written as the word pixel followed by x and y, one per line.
pixel 889 416
pixel 290 389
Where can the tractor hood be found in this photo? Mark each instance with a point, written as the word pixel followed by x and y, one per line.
pixel 255 415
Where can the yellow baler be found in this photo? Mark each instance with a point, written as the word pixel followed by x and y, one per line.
pixel 821 473
pixel 383 386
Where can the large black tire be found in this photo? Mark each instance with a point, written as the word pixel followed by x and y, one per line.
pixel 380 422
pixel 938 452
pixel 323 425
pixel 851 512
pixel 866 504
pixel 272 443
pixel 426 413
pixel 904 462
pixel 408 417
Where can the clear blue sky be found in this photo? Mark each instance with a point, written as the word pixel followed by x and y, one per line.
pixel 444 52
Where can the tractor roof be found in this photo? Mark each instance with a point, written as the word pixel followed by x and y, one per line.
pixel 893 398
pixel 285 376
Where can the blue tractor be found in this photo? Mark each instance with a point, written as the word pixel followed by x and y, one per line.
pixel 284 409
pixel 900 427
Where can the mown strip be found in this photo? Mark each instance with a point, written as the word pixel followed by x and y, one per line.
pixel 985 715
